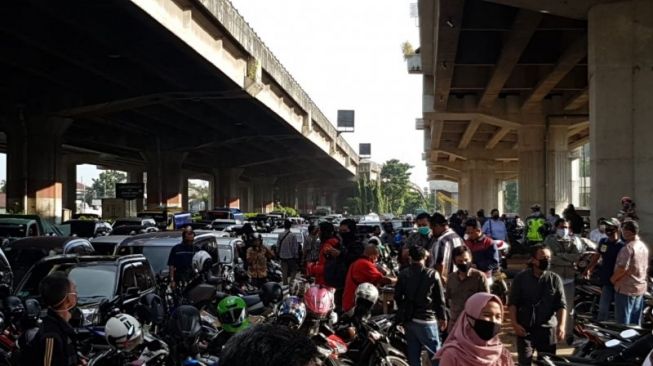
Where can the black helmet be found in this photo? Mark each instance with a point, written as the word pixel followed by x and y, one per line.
pixel 150 309
pixel 13 307
pixel 185 323
pixel 240 275
pixel 271 293
pixel 32 308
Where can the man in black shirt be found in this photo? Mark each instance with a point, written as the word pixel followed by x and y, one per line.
pixel 180 259
pixel 537 297
pixel 54 344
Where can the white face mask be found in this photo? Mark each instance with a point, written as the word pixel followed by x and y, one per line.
pixel 562 232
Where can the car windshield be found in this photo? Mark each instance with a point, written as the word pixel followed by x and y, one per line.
pixel 126 223
pixel 94 282
pixel 12 231
pixel 83 229
pixel 156 255
pixel 126 230
pixel 221 225
pixel 104 248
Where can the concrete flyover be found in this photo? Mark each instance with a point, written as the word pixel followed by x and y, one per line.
pixel 512 86
pixel 175 88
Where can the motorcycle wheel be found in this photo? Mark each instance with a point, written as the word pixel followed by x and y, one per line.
pixel 388 361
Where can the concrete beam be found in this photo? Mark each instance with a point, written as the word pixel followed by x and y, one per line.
pixel 523 27
pixel 576 9
pixel 476 152
pixel 471 129
pixel 569 59
pixel 482 117
pixel 578 101
pixel 427 14
pixel 450 16
pixel 436 133
pixel 578 128
pixel 498 136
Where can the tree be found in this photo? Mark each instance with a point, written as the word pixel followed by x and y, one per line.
pixel 3 186
pixel 104 186
pixel 199 192
pixel 395 178
pixel 511 201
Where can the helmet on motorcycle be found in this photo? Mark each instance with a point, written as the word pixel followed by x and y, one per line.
pixel 319 301
pixel 271 293
pixel 12 307
pixel 201 261
pixel 123 332
pixel 232 312
pixel 150 309
pixel 185 323
pixel 366 296
pixel 292 312
pixel 32 309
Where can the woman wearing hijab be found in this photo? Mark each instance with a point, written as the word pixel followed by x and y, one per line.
pixel 474 339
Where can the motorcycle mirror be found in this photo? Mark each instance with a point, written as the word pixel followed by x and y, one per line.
pixel 628 333
pixel 612 343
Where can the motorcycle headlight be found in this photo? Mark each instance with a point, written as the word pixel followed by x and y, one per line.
pixel 90 316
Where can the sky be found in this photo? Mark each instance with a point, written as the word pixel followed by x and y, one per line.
pixel 346 55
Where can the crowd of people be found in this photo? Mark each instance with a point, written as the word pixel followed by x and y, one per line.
pixel 441 291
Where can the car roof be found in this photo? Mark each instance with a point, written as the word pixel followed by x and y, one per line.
pixel 161 238
pixel 105 259
pixel 15 221
pixel 110 239
pixel 45 242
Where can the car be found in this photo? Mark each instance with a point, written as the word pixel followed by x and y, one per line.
pixel 156 247
pixel 134 225
pixel 85 216
pixel 270 239
pixel 98 278
pixel 12 228
pixel 88 228
pixel 106 245
pixel 167 220
pixel 40 228
pixel 23 253
pixel 221 224
pixel 224 213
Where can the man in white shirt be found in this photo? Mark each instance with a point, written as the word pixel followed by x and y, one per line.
pixel 495 228
pixel 599 232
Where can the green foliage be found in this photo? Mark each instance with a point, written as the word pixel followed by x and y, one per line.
pixel 250 215
pixel 288 211
pixel 395 178
pixel 510 198
pixel 199 192
pixel 105 185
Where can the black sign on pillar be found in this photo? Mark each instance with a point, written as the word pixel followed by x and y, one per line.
pixel 365 150
pixel 130 191
pixel 345 121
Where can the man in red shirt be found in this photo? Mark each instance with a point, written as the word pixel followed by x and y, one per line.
pixel 361 271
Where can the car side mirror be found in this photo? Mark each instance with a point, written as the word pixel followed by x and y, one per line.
pixel 131 292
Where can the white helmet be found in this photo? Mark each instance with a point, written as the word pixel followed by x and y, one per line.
pixel 123 332
pixel 367 291
pixel 200 260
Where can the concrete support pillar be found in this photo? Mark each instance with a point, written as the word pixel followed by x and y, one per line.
pixel 264 194
pixel 69 184
pixel 479 185
pixel 164 179
pixel 34 167
pixel 135 176
pixel 621 108
pixel 184 192
pixel 228 187
pixel 531 167
pixel 558 168
pixel 464 191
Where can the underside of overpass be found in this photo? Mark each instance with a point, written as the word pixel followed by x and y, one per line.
pixel 512 86
pixel 176 89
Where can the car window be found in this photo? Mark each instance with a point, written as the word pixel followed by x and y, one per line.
pixel 104 248
pixel 225 253
pixel 128 278
pixel 156 255
pixel 144 279
pixel 94 282
pixel 206 243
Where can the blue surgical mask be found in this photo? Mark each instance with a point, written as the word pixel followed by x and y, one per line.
pixel 424 230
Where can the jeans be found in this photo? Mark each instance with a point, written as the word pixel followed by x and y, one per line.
pixel 628 309
pixel 569 285
pixel 289 268
pixel 419 336
pixel 607 297
pixel 542 340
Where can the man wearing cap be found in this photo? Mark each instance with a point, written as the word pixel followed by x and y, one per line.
pixel 536 226
pixel 608 250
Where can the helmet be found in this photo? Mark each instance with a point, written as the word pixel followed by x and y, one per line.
pixel 271 293
pixel 13 307
pixel 32 308
pixel 201 261
pixel 232 312
pixel 366 296
pixel 319 301
pixel 292 312
pixel 185 323
pixel 123 332
pixel 151 309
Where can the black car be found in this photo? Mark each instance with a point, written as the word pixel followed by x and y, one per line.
pixel 23 253
pixel 88 228
pixel 134 225
pixel 99 279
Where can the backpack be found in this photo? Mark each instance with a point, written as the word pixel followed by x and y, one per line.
pixel 535 227
pixel 335 269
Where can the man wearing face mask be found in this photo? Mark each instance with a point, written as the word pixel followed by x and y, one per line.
pixel 446 240
pixel 422 238
pixel 54 344
pixel 494 227
pixel 599 232
pixel 463 283
pixel 608 250
pixel 566 249
pixel 537 307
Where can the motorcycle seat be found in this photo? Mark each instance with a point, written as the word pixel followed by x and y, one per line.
pixel 251 300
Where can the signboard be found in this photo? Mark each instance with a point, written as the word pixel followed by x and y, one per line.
pixel 130 191
pixel 346 120
pixel 365 150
